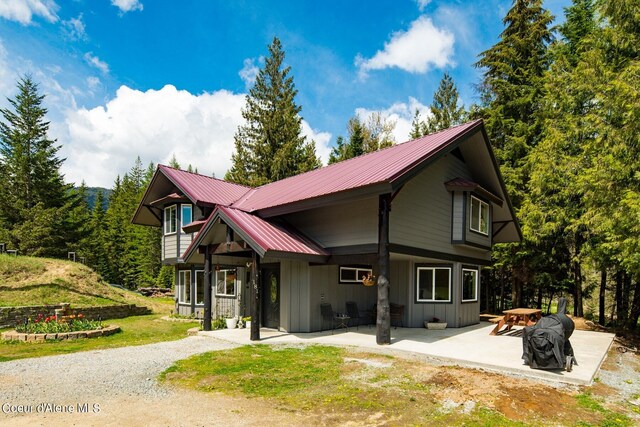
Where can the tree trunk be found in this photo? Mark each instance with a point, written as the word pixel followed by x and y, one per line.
pixel 626 298
pixel 207 289
pixel 632 321
pixel 577 280
pixel 601 302
pixel 255 297
pixel 501 288
pixel 619 304
pixel 383 321
pixel 539 302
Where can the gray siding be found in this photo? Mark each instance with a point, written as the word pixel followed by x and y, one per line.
pixel 185 241
pixel 345 224
pixel 294 296
pixel 325 288
pixel 422 212
pixel 458 220
pixel 170 246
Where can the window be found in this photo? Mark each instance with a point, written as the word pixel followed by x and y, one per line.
pixel 226 283
pixel 184 287
pixel 170 219
pixel 199 287
pixel 186 214
pixel 354 274
pixel 479 216
pixel 469 284
pixel 433 284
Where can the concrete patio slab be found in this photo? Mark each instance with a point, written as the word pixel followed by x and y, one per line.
pixel 470 347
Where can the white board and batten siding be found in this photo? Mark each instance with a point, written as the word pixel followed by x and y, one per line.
pixel 185 241
pixel 170 246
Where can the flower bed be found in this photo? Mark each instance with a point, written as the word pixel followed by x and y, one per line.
pixel 23 336
pixel 53 324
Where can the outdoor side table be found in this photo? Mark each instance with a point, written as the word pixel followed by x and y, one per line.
pixel 343 321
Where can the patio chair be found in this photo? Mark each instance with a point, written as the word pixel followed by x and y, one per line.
pixel 327 316
pixel 397 314
pixel 355 317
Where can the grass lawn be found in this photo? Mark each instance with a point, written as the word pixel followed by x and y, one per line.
pixel 136 330
pixel 336 385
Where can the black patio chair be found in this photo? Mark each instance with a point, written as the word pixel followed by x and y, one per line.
pixel 355 317
pixel 327 316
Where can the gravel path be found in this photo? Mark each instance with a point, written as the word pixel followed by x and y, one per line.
pixel 126 371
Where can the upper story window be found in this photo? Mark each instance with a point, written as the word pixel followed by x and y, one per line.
pixel 479 218
pixel 433 284
pixel 170 220
pixel 186 214
pixel 226 283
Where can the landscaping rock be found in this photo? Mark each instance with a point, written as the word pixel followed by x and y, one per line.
pixel 51 336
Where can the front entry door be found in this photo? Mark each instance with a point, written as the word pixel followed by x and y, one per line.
pixel 271 296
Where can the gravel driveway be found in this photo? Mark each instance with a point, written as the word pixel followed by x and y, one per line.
pixel 122 384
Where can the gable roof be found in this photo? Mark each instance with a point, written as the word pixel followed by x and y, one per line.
pixel 263 236
pixel 382 168
pixel 199 189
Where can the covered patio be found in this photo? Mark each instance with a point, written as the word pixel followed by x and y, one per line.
pixel 471 346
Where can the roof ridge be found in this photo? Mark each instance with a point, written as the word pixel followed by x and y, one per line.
pixel 204 176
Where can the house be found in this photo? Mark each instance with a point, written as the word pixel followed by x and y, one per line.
pixel 424 214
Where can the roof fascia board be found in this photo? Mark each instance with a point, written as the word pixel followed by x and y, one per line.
pixel 184 190
pixel 252 243
pixel 142 204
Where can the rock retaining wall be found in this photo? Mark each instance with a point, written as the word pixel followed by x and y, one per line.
pixel 20 336
pixel 10 316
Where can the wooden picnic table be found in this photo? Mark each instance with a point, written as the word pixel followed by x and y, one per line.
pixel 528 316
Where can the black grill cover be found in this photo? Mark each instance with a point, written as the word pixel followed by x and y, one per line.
pixel 545 345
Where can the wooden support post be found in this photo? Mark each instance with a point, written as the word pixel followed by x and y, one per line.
pixel 256 299
pixel 383 321
pixel 207 289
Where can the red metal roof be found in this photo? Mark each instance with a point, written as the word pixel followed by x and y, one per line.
pixel 383 166
pixel 204 189
pixel 269 236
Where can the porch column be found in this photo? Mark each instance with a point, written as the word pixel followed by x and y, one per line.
pixel 383 320
pixel 207 289
pixel 256 299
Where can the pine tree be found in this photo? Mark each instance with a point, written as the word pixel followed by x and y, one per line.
pixel 445 108
pixel 419 127
pixel 270 146
pixel 34 195
pixel 367 137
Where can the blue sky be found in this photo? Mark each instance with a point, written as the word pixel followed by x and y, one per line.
pixel 157 78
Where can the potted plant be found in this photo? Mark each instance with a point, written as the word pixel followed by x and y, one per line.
pixel 435 323
pixel 247 322
pixel 232 322
pixel 369 280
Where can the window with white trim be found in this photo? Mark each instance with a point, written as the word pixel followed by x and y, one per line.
pixel 184 287
pixel 170 220
pixel 186 215
pixel 469 285
pixel 433 284
pixel 199 287
pixel 354 274
pixel 479 217
pixel 226 283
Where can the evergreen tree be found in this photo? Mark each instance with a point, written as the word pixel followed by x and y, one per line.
pixel 367 137
pixel 419 127
pixel 445 111
pixel 270 146
pixel 33 195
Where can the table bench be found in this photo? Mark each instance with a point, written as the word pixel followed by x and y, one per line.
pixel 516 316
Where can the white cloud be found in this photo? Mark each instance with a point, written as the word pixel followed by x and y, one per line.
pixel 322 139
pixel 96 62
pixel 401 113
pixel 422 4
pixel 127 5
pixel 249 71
pixel 422 47
pixel 74 28
pixel 23 11
pixel 93 83
pixel 104 141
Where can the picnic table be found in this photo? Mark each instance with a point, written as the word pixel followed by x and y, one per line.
pixel 527 316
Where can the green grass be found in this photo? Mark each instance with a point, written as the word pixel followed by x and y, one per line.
pixel 43 281
pixel 136 330
pixel 609 418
